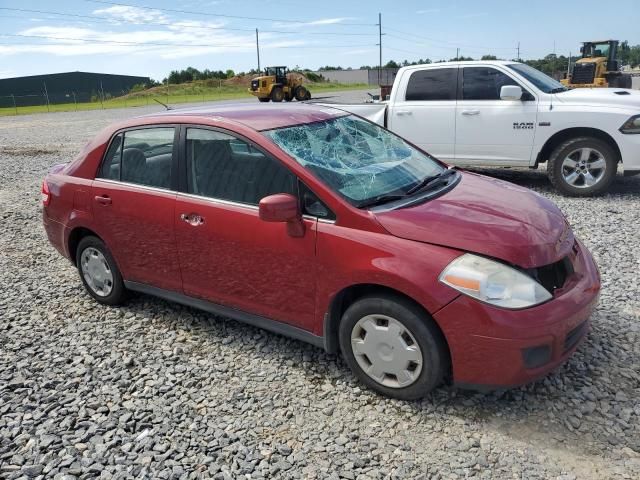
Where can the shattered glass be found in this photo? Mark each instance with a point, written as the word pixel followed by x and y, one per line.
pixel 357 158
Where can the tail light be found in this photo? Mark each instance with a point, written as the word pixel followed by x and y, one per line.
pixel 46 195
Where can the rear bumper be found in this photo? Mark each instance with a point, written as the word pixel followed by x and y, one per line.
pixel 56 233
pixel 494 347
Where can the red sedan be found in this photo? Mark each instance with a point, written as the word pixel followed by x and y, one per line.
pixel 320 225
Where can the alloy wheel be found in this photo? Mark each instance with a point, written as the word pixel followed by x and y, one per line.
pixel 584 167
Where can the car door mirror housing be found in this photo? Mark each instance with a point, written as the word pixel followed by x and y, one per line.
pixel 282 207
pixel 510 92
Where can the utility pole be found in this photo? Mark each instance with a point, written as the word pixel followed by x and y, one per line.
pixel 518 51
pixel 457 53
pixel 380 45
pixel 258 49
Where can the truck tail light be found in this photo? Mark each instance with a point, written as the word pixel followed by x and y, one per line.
pixel 46 195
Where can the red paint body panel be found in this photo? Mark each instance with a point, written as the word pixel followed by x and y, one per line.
pixel 490 217
pixel 238 260
pixel 486 342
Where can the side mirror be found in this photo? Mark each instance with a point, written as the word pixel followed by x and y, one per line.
pixel 282 207
pixel 510 92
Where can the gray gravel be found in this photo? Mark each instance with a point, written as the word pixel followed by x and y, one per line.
pixel 156 390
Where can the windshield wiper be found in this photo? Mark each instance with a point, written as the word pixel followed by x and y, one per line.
pixel 379 200
pixel 558 90
pixel 432 181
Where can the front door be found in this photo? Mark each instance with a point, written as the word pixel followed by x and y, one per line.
pixel 425 113
pixel 491 131
pixel 227 254
pixel 134 202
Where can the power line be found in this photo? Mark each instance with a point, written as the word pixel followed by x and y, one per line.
pixel 162 44
pixel 99 19
pixel 454 45
pixel 221 15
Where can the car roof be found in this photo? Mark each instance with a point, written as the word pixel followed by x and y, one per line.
pixel 257 116
pixel 456 64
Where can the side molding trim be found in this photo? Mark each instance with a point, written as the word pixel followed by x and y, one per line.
pixel 265 323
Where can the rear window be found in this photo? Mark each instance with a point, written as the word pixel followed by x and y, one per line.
pixel 432 84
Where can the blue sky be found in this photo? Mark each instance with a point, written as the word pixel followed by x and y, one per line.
pixel 121 37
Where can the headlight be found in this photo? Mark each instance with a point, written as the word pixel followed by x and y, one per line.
pixel 632 125
pixel 493 282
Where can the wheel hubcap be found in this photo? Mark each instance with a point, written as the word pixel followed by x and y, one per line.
pixel 584 167
pixel 96 271
pixel 386 351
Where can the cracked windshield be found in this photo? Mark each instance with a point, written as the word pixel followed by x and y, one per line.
pixel 356 158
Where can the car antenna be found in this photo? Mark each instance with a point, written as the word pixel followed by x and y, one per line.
pixel 163 104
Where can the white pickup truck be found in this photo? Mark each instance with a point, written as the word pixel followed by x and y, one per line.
pixel 498 113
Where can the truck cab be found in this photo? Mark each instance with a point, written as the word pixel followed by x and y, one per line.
pixel 508 114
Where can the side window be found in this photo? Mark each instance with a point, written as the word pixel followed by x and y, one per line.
pixel 312 205
pixel 227 168
pixel 483 83
pixel 111 165
pixel 147 157
pixel 432 84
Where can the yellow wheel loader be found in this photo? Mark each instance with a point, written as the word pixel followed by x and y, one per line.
pixel 598 67
pixel 278 84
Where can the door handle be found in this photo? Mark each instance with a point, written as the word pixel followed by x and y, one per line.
pixel 103 199
pixel 470 112
pixel 404 112
pixel 192 219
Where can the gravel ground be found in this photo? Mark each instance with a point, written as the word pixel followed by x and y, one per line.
pixel 157 390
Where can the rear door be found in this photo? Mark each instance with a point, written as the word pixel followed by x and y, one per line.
pixel 134 201
pixel 491 131
pixel 424 110
pixel 228 255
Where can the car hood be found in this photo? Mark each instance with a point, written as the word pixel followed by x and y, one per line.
pixel 601 97
pixel 489 217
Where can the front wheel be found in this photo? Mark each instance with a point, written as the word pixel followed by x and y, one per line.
pixel 99 273
pixel 277 94
pixel 393 347
pixel 582 167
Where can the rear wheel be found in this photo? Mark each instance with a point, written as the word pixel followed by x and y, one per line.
pixel 582 166
pixel 264 99
pixel 277 94
pixel 393 347
pixel 301 93
pixel 99 273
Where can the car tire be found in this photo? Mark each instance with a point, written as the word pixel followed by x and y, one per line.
pixel 407 360
pixel 99 272
pixel 277 94
pixel 582 166
pixel 263 99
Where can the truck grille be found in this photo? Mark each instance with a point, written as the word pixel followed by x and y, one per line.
pixel 254 84
pixel 583 73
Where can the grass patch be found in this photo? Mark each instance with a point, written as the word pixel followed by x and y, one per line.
pixel 206 91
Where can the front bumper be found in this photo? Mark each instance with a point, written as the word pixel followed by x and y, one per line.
pixel 495 347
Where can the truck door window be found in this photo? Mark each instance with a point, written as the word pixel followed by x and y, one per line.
pixel 483 83
pixel 432 84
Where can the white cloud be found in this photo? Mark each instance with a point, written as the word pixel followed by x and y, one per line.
pixel 428 10
pixel 131 14
pixel 171 42
pixel 312 23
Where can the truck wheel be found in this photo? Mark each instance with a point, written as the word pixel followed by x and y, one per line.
pixel 264 99
pixel 301 93
pixel 582 166
pixel 393 347
pixel 277 94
